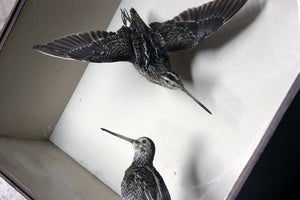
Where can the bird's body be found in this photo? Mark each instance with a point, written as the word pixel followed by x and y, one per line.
pixel 141 180
pixel 147 47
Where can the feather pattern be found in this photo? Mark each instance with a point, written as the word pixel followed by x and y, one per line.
pixel 94 46
pixel 144 182
pixel 187 29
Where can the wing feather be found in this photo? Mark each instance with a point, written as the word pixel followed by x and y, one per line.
pixel 94 46
pixel 187 29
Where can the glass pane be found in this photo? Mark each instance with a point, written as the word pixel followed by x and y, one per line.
pixel 6 7
pixel 8 192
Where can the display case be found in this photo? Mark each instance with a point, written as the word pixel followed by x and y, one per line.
pixel 52 110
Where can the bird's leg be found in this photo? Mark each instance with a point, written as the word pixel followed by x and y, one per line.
pixel 125 16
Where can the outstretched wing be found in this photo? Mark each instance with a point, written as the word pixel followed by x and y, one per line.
pixel 144 183
pixel 94 46
pixel 187 29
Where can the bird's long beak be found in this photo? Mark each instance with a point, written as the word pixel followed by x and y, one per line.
pixel 118 135
pixel 196 100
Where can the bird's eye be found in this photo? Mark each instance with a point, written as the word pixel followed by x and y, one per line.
pixel 144 141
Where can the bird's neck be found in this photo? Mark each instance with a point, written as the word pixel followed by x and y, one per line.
pixel 142 160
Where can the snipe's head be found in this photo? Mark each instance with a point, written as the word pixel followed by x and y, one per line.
pixel 172 80
pixel 144 148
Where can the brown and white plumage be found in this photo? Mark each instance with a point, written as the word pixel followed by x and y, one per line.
pixel 190 27
pixel 147 47
pixel 141 180
pixel 94 46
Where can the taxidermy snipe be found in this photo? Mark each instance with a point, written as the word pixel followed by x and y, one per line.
pixel 147 47
pixel 141 180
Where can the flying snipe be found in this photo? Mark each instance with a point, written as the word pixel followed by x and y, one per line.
pixel 147 47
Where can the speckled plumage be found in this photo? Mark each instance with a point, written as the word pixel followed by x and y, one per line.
pixel 147 47
pixel 141 180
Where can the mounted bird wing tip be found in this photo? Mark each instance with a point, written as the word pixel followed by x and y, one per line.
pixel 38 47
pixel 50 51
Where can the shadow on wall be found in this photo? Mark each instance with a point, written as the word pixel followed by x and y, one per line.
pixel 195 184
pixel 192 183
pixel 193 187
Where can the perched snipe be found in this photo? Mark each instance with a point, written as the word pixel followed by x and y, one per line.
pixel 141 180
pixel 147 47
